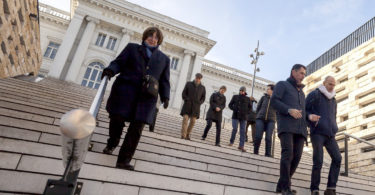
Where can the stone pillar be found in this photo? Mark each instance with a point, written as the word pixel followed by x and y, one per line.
pixel 197 66
pixel 177 101
pixel 66 46
pixel 124 40
pixel 81 49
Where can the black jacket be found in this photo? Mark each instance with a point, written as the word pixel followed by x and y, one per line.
pixel 216 100
pixel 193 96
pixel 126 97
pixel 317 103
pixel 264 109
pixel 241 106
pixel 251 117
pixel 287 96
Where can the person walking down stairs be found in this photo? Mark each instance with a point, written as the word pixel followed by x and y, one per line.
pixel 143 74
pixel 215 112
pixel 241 106
pixel 322 102
pixel 251 117
pixel 265 122
pixel 193 95
pixel 288 99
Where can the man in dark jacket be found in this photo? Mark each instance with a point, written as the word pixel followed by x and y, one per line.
pixel 288 100
pixel 265 122
pixel 193 95
pixel 215 112
pixel 322 102
pixel 240 104
pixel 251 117
pixel 127 101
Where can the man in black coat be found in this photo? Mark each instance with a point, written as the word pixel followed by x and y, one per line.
pixel 265 121
pixel 241 106
pixel 322 102
pixel 215 112
pixel 288 100
pixel 127 101
pixel 193 95
pixel 251 117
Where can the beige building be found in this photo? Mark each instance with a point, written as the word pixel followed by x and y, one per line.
pixel 19 38
pixel 352 63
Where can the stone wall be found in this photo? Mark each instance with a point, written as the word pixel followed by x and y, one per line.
pixel 19 38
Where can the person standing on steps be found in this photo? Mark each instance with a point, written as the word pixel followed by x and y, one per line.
pixel 265 121
pixel 193 95
pixel 143 74
pixel 322 102
pixel 241 106
pixel 288 100
pixel 251 117
pixel 215 112
pixel 152 125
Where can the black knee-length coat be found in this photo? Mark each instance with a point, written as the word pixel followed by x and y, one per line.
pixel 126 98
pixel 193 96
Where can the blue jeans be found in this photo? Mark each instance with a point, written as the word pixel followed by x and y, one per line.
pixel 242 131
pixel 263 126
pixel 318 141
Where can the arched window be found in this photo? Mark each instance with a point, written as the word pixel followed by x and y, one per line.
pixel 92 75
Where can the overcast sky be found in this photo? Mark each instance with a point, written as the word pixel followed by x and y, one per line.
pixel 289 31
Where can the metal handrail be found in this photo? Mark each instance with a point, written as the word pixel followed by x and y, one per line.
pixel 347 135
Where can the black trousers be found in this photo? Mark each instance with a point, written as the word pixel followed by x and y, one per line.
pixel 218 130
pixel 152 126
pixel 116 125
pixel 291 152
pixel 318 142
pixel 253 127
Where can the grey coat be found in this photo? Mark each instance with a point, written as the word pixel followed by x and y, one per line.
pixel 287 96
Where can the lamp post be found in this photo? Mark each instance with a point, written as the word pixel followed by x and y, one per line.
pixel 254 61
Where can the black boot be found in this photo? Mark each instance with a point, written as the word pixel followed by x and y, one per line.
pixel 108 150
pixel 287 192
pixel 330 192
pixel 315 192
pixel 125 165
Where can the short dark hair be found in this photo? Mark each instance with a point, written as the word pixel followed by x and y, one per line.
pixel 150 31
pixel 271 86
pixel 199 76
pixel 297 67
pixel 223 87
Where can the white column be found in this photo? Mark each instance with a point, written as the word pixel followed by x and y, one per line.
pixel 76 64
pixel 197 66
pixel 124 40
pixel 66 46
pixel 177 101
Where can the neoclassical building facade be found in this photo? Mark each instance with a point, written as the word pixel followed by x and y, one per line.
pixel 77 45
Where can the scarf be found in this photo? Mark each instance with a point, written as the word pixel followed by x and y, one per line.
pixel 324 91
pixel 149 49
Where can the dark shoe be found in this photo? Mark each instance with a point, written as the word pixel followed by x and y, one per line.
pixel 278 190
pixel 187 137
pixel 242 149
pixel 330 192
pixel 151 129
pixel 315 192
pixel 203 138
pixel 108 150
pixel 182 137
pixel 218 145
pixel 126 166
pixel 287 192
pixel 230 144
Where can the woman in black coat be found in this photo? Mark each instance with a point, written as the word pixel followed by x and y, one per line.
pixel 127 101
pixel 215 112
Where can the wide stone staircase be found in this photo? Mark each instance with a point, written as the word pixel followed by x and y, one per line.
pixel 30 152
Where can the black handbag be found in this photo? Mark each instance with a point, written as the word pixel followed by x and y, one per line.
pixel 150 86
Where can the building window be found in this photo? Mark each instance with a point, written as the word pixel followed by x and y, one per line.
pixel 174 63
pixel 100 40
pixel 93 75
pixel 51 50
pixel 111 43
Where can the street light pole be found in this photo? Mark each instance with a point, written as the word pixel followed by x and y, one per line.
pixel 255 61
